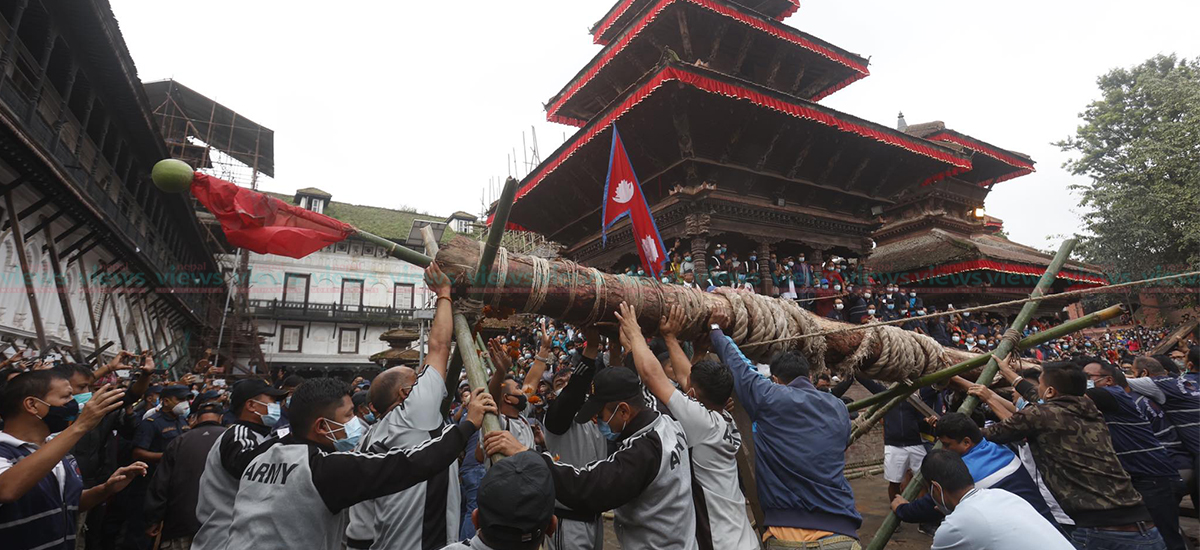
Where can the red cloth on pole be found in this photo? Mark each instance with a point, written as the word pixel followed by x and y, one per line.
pixel 266 225
pixel 623 196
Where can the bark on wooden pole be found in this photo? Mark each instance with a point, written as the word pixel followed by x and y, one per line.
pixel 1006 345
pixel 26 276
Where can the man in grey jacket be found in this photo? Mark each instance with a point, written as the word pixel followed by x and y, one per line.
pixel 296 493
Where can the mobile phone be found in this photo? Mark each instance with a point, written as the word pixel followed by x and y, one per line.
pixel 219 382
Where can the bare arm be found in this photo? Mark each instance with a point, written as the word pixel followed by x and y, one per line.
pixel 680 368
pixel 539 366
pixel 29 471
pixel 503 364
pixel 441 331
pixel 647 364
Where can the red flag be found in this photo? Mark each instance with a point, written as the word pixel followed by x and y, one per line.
pixel 623 196
pixel 267 225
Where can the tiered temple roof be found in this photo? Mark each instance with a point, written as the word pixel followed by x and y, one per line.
pixel 716 103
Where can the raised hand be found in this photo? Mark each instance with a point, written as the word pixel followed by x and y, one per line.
pixel 547 338
pixel 502 442
pixel 672 322
pixel 630 330
pixel 106 399
pixel 718 316
pixel 481 403
pixel 124 475
pixel 437 281
pixel 500 357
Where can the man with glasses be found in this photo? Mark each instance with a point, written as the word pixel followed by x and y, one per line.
pixel 408 406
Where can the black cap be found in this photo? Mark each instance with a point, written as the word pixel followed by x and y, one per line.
pixel 153 389
pixel 359 398
pixel 610 384
pixel 177 391
pixel 292 381
pixel 249 389
pixel 516 499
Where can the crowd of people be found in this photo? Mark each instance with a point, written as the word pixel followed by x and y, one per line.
pixel 1080 452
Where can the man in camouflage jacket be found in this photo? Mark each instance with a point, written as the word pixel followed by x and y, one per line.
pixel 1075 456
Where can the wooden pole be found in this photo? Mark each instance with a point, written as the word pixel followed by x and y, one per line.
pixel 19 241
pixel 61 287
pixel 87 299
pixel 989 373
pixel 573 292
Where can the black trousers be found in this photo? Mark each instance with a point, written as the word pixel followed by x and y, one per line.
pixel 1161 496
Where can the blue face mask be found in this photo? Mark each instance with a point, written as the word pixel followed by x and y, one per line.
pixel 369 418
pixel 82 398
pixel 274 412
pixel 354 430
pixel 1091 384
pixel 606 430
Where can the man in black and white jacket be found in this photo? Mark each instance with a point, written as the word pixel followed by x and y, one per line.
pixel 296 493
pixel 648 480
pixel 255 403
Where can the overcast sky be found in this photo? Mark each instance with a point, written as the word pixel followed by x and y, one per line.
pixel 405 103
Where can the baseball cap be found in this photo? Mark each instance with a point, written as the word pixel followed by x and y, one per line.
pixel 246 390
pixel 516 498
pixel 609 385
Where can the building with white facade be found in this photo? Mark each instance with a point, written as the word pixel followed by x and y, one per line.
pixel 326 312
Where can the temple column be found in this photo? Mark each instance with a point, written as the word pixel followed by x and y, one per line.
pixel 766 278
pixel 696 228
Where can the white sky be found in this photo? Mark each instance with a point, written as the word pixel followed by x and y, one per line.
pixel 406 103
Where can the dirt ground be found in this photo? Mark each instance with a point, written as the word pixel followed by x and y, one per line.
pixel 871 497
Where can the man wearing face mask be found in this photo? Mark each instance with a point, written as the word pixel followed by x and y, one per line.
pixel 837 313
pixel 712 437
pixel 575 444
pixel 970 512
pixel 258 410
pixel 408 410
pixel 511 397
pixel 1075 457
pixel 296 493
pixel 41 491
pixel 1145 459
pixel 362 408
pixel 149 441
pixel 647 480
pixel 174 490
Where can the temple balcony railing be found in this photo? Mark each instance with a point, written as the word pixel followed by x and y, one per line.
pixel 337 313
pixel 81 160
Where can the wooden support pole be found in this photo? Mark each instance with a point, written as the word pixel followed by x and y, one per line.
pixel 117 317
pixel 19 241
pixel 60 285
pixel 1031 341
pixel 87 299
pixel 476 376
pixel 989 373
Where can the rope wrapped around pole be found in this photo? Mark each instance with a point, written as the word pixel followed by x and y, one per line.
pixel 582 296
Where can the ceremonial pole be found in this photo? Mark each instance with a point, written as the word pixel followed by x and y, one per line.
pixel 1006 345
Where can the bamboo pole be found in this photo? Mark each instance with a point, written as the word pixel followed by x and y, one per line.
pixel 1034 340
pixel 396 250
pixel 989 372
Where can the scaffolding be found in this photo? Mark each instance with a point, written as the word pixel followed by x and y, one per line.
pixel 221 143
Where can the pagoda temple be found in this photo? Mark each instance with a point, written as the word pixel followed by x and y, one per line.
pixel 939 240
pixel 717 105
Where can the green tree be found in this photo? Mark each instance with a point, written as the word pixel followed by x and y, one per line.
pixel 1140 145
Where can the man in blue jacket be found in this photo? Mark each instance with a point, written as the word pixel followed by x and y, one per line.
pixel 992 466
pixel 800 446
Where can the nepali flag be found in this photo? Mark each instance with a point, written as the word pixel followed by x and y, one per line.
pixel 264 224
pixel 623 196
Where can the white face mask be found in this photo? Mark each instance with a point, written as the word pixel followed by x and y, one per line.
pixel 870 312
pixel 839 306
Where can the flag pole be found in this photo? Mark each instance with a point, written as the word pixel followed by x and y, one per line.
pixel 395 250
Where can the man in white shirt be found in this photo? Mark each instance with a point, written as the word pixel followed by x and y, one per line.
pixel 712 438
pixel 971 521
